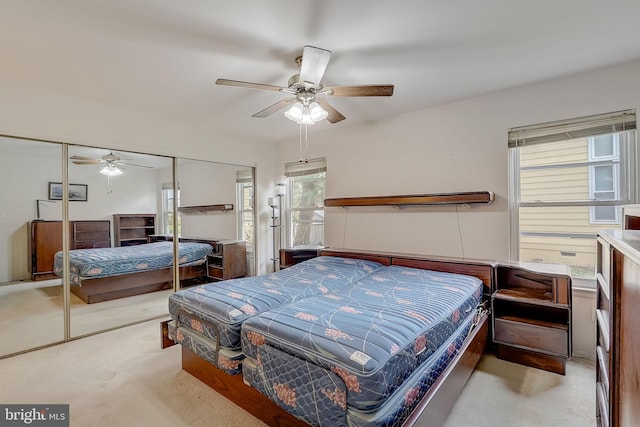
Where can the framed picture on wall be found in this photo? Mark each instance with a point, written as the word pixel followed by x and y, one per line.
pixel 77 192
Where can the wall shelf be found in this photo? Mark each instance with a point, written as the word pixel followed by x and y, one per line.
pixel 206 208
pixel 418 199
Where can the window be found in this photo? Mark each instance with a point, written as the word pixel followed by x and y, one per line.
pixel 604 179
pixel 569 180
pixel 244 202
pixel 305 192
pixel 167 209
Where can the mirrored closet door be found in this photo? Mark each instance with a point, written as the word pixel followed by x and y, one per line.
pixel 215 207
pixel 31 297
pixel 115 208
pixel 121 206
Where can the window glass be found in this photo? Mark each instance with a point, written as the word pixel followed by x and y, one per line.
pixel 168 218
pixel 567 192
pixel 245 211
pixel 306 209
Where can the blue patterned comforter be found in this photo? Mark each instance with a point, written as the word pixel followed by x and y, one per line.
pixel 225 305
pixel 105 262
pixel 368 337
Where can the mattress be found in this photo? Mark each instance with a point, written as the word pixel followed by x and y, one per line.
pixel 371 335
pixel 217 310
pixel 106 262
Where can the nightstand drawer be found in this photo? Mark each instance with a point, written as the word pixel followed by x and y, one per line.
pixel 529 335
pixel 216 272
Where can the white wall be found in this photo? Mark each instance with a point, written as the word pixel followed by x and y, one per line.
pixel 203 183
pixel 461 146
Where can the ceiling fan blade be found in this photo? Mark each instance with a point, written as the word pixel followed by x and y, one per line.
pixel 364 90
pixel 275 107
pixel 314 64
pixel 132 164
pixel 249 85
pixel 334 115
pixel 79 160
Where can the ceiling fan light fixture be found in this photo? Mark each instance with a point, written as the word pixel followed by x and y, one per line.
pixel 111 170
pixel 306 114
pixel 316 112
pixel 295 113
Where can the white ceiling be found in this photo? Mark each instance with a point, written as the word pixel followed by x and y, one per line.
pixel 162 56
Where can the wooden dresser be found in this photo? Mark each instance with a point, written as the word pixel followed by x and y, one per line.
pixel 46 239
pixel 618 326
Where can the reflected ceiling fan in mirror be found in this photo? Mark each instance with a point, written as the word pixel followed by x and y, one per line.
pixel 308 104
pixel 113 164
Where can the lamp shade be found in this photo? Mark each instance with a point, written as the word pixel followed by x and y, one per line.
pixel 295 112
pixel 316 112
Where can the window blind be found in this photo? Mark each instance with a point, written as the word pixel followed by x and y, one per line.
pixel 305 168
pixel 169 186
pixel 244 176
pixel 563 130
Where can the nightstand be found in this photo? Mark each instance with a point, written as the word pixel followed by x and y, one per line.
pixel 531 313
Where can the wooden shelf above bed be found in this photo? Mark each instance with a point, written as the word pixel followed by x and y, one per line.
pixel 206 208
pixel 416 199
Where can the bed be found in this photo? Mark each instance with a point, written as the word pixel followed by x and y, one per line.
pixel 207 318
pixel 296 377
pixel 364 354
pixel 103 274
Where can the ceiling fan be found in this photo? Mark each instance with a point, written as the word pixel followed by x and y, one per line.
pixel 112 162
pixel 308 92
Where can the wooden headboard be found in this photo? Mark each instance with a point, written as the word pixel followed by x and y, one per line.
pixel 483 270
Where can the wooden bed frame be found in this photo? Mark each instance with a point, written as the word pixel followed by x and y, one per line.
pixel 434 407
pixel 125 285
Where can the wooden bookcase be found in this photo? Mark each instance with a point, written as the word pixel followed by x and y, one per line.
pixel 133 229
pixel 531 312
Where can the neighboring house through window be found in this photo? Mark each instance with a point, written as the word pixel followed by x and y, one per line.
pixel 568 181
pixel 305 202
pixel 604 179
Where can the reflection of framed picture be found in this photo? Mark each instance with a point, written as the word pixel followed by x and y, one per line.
pixel 77 192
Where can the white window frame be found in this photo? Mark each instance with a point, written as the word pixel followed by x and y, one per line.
pixel 241 186
pixel 617 122
pixel 167 207
pixel 298 169
pixel 615 159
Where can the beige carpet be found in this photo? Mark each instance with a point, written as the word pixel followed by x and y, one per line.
pixel 122 378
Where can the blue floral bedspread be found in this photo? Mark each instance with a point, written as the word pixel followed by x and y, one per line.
pixel 369 336
pixel 225 305
pixel 105 262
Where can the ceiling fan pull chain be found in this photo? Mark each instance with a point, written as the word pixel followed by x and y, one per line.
pixel 300 135
pixel 306 144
